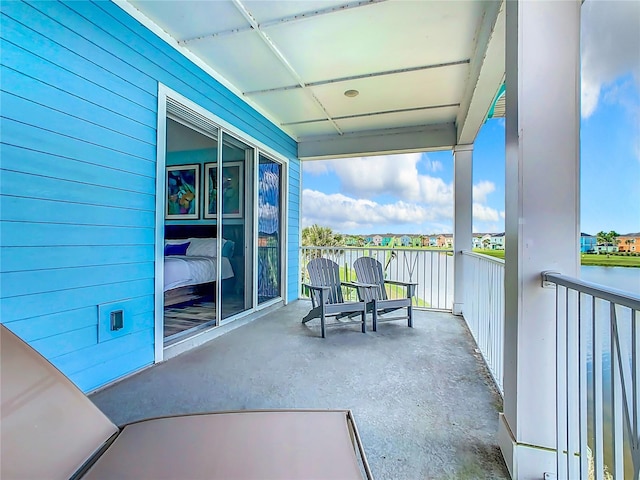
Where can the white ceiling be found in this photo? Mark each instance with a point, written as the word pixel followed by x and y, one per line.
pixel 426 71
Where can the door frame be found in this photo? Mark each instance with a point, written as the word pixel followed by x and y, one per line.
pixel 165 93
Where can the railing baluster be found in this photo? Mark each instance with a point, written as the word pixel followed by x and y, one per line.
pixel 616 399
pixel 561 390
pixel 635 365
pixel 598 447
pixel 583 411
pixel 573 386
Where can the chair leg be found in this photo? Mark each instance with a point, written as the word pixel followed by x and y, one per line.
pixel 410 315
pixel 375 316
pixel 364 321
pixel 322 323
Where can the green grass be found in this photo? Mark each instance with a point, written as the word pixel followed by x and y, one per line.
pixel 590 259
pixel 603 260
pixel 393 291
pixel 491 253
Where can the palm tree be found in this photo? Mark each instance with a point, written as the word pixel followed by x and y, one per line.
pixel 317 236
pixel 608 239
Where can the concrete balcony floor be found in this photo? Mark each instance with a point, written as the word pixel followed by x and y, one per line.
pixel 422 398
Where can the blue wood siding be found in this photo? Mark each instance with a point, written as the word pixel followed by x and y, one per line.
pixel 293 265
pixel 77 177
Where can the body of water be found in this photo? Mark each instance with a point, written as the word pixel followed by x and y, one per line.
pixel 620 278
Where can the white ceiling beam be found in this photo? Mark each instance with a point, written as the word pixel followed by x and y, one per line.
pixel 378 142
pixel 359 77
pixel 373 114
pixel 486 73
pixel 280 56
pixel 280 21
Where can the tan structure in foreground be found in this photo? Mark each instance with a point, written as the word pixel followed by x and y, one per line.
pixel 51 430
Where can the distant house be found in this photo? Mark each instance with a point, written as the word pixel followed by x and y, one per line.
pixel 416 241
pixel 497 241
pixel 376 240
pixel 477 241
pixel 605 248
pixel 387 240
pixel 405 240
pixel 444 240
pixel 629 242
pixel 587 243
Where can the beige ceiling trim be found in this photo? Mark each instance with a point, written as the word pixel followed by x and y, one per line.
pixel 378 142
pixel 280 56
pixel 359 77
pixel 483 82
pixel 279 21
pixel 373 114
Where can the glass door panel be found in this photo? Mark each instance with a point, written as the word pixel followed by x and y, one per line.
pixel 189 301
pixel 237 226
pixel 269 229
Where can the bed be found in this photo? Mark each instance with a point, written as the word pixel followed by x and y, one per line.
pixel 190 262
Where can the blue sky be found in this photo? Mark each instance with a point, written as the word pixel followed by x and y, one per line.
pixel 412 193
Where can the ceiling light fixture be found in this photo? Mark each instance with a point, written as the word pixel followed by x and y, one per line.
pixel 351 93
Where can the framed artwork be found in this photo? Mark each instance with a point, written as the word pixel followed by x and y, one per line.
pixel 232 186
pixel 183 192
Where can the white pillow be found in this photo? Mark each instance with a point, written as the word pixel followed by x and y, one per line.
pixel 199 247
pixel 203 247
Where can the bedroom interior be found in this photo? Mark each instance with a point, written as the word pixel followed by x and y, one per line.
pixel 191 230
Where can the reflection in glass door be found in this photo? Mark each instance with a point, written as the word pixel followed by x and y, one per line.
pixel 269 229
pixel 237 226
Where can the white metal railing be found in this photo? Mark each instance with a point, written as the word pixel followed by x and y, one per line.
pixel 432 270
pixel 483 308
pixel 598 374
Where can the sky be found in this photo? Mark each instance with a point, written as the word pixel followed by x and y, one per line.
pixel 413 193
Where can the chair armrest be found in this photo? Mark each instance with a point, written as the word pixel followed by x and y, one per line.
pixel 402 284
pixel 358 284
pixel 410 286
pixel 316 287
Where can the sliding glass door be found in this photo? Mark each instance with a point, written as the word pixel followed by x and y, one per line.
pixel 237 226
pixel 269 229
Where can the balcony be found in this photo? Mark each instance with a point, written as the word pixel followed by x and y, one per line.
pixel 425 404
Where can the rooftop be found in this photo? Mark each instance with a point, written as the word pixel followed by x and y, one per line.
pixel 422 397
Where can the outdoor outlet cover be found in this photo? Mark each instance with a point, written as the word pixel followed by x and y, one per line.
pixel 117 320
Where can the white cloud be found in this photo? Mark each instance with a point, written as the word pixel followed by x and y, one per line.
pixel 317 167
pixel 482 189
pixel 432 165
pixel 483 213
pixel 371 176
pixel 422 202
pixel 610 42
pixel 395 175
pixel 341 212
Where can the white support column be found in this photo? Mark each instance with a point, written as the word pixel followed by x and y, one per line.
pixel 542 218
pixel 462 219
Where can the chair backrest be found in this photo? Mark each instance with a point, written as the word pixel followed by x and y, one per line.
pixel 369 270
pixel 49 427
pixel 325 273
